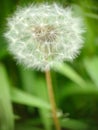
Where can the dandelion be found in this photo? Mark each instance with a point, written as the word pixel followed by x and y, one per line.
pixel 40 36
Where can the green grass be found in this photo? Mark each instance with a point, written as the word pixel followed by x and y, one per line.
pixel 24 103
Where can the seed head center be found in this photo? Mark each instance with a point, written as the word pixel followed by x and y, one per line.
pixel 46 33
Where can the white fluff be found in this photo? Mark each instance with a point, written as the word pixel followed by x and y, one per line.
pixel 39 36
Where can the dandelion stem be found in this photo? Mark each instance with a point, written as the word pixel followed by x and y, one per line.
pixel 52 100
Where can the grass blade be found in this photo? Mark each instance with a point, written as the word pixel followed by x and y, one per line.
pixel 73 124
pixel 6 112
pixel 22 97
pixel 69 72
pixel 91 66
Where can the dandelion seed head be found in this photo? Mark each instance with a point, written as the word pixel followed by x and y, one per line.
pixel 39 36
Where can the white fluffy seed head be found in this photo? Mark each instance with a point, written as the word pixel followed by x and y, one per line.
pixel 41 35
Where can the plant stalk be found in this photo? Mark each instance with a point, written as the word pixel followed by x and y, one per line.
pixel 52 100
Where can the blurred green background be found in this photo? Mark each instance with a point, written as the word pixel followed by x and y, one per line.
pixel 24 103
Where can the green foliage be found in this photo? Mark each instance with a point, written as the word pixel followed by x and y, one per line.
pixel 21 97
pixel 91 66
pixel 69 72
pixel 6 112
pixel 75 84
pixel 74 124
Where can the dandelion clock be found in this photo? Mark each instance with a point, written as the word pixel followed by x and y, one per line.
pixel 40 36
